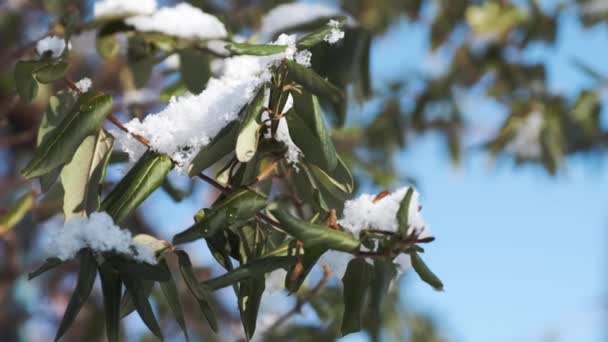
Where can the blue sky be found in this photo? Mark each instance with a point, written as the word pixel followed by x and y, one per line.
pixel 523 255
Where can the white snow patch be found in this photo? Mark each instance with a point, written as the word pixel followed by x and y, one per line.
pixel 108 8
pixel 99 233
pixel 294 14
pixel 335 34
pixel 189 122
pixel 84 84
pixel 362 213
pixel 526 142
pixel 53 44
pixel 183 20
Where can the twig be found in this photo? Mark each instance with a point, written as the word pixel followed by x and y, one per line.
pixel 303 300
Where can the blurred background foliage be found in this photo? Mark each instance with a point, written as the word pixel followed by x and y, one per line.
pixel 482 42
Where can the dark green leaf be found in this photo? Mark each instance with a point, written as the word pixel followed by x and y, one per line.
pixel 51 72
pixel 356 281
pixel 139 295
pixel 194 68
pixel 425 273
pixel 249 299
pixel 255 49
pixel 223 143
pixel 27 86
pixel 314 235
pixel 319 35
pixel 171 293
pixel 144 177
pixel 127 304
pixel 140 270
pixel 111 287
pixel 234 210
pixel 314 83
pixel 403 212
pixel 384 272
pixel 49 264
pixel 255 268
pixel 199 291
pixel 84 285
pixel 323 153
pixel 84 119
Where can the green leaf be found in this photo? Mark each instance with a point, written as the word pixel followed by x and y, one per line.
pixel 176 89
pixel 171 293
pixel 223 143
pixel 139 296
pixel 49 264
pixel 141 60
pixel 84 119
pixel 82 177
pixel 314 235
pixel 232 211
pixel 111 287
pixel 318 35
pixel 341 188
pixel 252 269
pixel 127 304
pixel 51 72
pixel 308 260
pixel 425 273
pixel 144 177
pixel 59 106
pixel 194 68
pixel 84 285
pixel 403 212
pixel 249 299
pixel 200 292
pixel 356 281
pixel 249 129
pixel 384 272
pixel 255 49
pixel 17 212
pixel 314 83
pixel 27 86
pixel 307 108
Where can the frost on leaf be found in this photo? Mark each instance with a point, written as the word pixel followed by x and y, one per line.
pixel 189 122
pixel 99 233
pixel 183 20
pixel 108 8
pixel 52 45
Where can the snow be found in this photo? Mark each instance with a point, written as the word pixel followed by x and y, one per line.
pixel 335 34
pixel 362 213
pixel 303 57
pixel 183 20
pixel 526 142
pixel 99 233
pixel 189 122
pixel 287 16
pixel 84 85
pixel 53 44
pixel 109 8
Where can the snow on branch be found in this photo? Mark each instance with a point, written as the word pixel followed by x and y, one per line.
pixel 108 8
pixel 189 122
pixel 99 233
pixel 183 20
pixel 52 44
